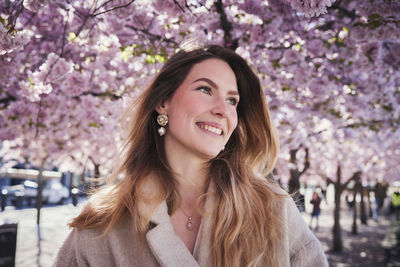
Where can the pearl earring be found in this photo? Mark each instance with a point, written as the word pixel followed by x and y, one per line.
pixel 162 120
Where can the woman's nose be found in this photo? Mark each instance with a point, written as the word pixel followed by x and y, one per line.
pixel 220 108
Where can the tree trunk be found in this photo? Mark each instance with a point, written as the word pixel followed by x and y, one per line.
pixel 39 202
pixel 337 230
pixel 295 173
pixel 369 202
pixel 363 212
pixel 294 182
pixel 96 170
pixel 39 199
pixel 354 229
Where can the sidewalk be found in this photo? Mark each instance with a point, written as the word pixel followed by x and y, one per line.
pixel 364 249
pixel 53 229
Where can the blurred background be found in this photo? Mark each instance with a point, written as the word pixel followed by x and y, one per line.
pixel 329 69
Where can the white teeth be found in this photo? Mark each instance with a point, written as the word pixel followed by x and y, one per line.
pixel 212 129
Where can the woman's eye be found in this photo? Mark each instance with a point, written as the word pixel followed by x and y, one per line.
pixel 205 89
pixel 232 101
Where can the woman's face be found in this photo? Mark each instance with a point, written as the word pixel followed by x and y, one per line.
pixel 202 112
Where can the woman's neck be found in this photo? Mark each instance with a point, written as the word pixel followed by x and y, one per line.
pixel 192 182
pixel 192 178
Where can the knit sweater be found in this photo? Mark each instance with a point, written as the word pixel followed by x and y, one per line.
pixel 122 246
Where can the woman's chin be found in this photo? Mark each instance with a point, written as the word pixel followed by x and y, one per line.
pixel 210 154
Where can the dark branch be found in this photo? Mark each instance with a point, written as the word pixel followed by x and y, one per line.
pixel 37 124
pixel 102 5
pixel 180 7
pixel 355 177
pixel 152 35
pixel 113 8
pixel 17 10
pixel 306 162
pixel 63 37
pixel 104 94
pixel 7 99
pixel 343 11
pixel 226 26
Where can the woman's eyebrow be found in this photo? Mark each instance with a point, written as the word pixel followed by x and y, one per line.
pixel 210 82
pixel 213 84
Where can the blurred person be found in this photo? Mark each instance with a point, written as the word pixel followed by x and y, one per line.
pixel 350 201
pixel 316 211
pixel 374 205
pixel 396 204
pixel 191 188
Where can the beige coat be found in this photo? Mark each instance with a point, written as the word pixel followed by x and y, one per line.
pixel 162 247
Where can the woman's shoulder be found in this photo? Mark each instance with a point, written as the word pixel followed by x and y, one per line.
pixel 102 248
pixel 123 229
pixel 276 188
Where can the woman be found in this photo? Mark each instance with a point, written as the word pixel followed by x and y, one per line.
pixel 193 191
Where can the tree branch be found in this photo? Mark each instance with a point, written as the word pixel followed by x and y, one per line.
pixel 343 11
pixel 102 5
pixel 152 35
pixel 16 10
pixel 306 162
pixel 113 8
pixel 6 100
pixel 355 176
pixel 180 7
pixel 226 26
pixel 103 94
pixel 63 37
pixel 37 124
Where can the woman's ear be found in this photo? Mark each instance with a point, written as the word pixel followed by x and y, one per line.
pixel 161 108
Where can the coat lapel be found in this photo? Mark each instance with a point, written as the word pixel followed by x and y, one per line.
pixel 167 247
pixel 203 247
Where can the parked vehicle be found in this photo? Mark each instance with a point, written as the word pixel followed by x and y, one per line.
pixel 53 192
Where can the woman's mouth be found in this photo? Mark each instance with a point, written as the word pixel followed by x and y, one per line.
pixel 211 129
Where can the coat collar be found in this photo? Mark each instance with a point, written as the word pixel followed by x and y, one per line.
pixel 169 249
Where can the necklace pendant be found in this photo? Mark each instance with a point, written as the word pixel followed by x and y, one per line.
pixel 189 224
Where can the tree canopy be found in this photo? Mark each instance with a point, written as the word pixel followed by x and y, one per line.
pixel 330 71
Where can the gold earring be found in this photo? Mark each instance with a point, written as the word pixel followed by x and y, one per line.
pixel 162 120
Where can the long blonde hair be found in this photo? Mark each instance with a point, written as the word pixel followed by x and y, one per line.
pixel 245 229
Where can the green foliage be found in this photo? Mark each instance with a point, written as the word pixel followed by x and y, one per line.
pixel 388 107
pixel 13 117
pixel 95 125
pixel 276 64
pixel 335 113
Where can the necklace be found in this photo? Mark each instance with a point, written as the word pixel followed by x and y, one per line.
pixel 189 223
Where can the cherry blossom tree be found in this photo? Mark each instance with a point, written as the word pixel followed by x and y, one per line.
pixel 330 70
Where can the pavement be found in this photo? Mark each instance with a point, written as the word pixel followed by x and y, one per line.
pixel 367 249
pixel 375 245
pixel 53 231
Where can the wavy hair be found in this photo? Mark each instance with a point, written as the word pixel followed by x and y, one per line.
pixel 245 229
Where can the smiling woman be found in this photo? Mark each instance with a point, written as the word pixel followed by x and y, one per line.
pixel 191 188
